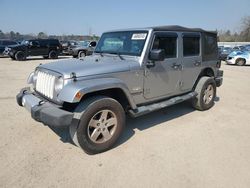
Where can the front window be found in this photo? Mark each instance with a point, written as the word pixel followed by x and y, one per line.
pixel 168 43
pixel 25 42
pixel 123 43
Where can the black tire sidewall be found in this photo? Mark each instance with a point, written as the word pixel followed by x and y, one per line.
pixel 80 54
pixel 240 59
pixel 20 56
pixel 211 103
pixel 82 130
pixel 53 54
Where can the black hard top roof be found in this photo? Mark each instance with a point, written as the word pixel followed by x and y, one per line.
pixel 180 28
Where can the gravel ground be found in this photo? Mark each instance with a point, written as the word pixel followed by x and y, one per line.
pixel 174 147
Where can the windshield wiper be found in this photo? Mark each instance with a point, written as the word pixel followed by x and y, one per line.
pixel 99 52
pixel 118 54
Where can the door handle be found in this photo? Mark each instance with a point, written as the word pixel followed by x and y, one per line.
pixel 197 63
pixel 176 66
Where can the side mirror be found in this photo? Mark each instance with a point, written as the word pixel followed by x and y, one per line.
pixel 92 44
pixel 157 55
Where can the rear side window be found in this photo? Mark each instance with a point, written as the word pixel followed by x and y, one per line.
pixel 191 45
pixel 54 42
pixel 166 43
pixel 210 47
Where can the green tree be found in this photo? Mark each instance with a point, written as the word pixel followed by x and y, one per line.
pixel 42 35
pixel 2 35
pixel 246 29
pixel 12 35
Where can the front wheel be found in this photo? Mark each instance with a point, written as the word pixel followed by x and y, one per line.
pixel 206 90
pixel 81 54
pixel 20 56
pixel 101 123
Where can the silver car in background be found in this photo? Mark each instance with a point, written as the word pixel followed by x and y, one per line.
pixel 239 58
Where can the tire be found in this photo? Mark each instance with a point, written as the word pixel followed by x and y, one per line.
pixel 45 57
pixel 12 57
pixel 81 54
pixel 20 56
pixel 74 56
pixel 53 54
pixel 240 61
pixel 102 120
pixel 206 89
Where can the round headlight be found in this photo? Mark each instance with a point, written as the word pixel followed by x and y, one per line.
pixel 58 84
pixel 35 76
pixel 30 78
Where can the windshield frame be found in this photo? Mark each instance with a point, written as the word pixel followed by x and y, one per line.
pixel 122 52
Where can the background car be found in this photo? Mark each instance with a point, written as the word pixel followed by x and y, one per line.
pixel 83 49
pixel 225 51
pixel 241 48
pixel 5 43
pixel 66 46
pixel 239 58
pixel 48 48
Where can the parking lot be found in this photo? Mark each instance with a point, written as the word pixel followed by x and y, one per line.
pixel 174 147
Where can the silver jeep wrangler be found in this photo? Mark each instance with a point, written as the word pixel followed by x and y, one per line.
pixel 131 71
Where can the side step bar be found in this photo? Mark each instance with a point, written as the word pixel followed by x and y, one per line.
pixel 157 106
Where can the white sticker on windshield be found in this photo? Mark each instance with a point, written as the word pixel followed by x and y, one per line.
pixel 139 36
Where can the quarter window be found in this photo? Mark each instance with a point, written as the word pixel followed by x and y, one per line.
pixel 191 45
pixel 210 47
pixel 166 43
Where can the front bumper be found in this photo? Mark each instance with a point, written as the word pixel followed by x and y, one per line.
pixel 44 111
pixel 230 61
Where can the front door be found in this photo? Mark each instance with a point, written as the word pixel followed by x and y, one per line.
pixel 34 48
pixel 163 79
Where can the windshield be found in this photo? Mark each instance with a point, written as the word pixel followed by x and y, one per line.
pixel 25 42
pixel 84 43
pixel 122 43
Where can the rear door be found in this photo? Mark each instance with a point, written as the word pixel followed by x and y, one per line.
pixel 191 60
pixel 44 47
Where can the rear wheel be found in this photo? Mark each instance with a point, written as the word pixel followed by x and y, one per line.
pixel 206 89
pixel 20 56
pixel 240 61
pixel 101 123
pixel 53 54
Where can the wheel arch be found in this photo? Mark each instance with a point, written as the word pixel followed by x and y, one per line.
pixel 110 87
pixel 208 71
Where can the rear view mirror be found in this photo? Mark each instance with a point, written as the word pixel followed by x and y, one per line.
pixel 157 55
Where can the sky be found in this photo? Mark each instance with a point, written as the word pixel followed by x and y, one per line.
pixel 94 17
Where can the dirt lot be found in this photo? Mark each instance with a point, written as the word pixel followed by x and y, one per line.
pixel 174 147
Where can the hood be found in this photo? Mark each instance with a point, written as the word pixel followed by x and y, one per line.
pixel 90 65
pixel 17 46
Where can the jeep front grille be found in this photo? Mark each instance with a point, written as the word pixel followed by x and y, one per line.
pixel 45 84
